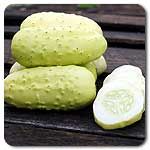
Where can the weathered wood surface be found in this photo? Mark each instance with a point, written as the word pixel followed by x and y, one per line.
pixel 25 134
pixel 77 121
pixel 124 27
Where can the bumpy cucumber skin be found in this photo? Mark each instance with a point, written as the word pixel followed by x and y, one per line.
pixel 50 46
pixel 59 88
pixel 118 125
pixel 53 19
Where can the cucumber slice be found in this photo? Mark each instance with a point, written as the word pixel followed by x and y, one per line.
pixel 117 105
pixel 127 69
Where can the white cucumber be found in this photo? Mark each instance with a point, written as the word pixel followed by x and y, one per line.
pixel 121 100
pixel 118 105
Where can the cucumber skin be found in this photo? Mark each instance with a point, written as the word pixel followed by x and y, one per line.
pixel 59 88
pixel 54 19
pixel 91 67
pixel 118 125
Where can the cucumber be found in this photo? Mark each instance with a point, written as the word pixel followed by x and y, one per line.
pixel 100 64
pixel 59 88
pixel 121 100
pixel 118 105
pixel 32 47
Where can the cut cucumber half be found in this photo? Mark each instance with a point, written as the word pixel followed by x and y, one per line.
pixel 117 105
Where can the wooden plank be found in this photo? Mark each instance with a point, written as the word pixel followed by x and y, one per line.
pixel 28 135
pixel 77 121
pixel 119 9
pixel 114 38
pixel 114 56
pixel 125 39
pixel 121 56
pixel 118 20
pixel 7 52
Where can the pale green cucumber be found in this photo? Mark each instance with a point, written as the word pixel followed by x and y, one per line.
pixel 50 46
pixel 59 87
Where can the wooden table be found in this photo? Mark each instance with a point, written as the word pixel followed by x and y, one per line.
pixel 124 28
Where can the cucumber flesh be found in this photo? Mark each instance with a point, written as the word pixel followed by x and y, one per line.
pixel 134 80
pixel 121 100
pixel 118 105
pixel 128 73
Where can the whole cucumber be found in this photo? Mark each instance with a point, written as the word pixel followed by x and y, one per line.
pixel 50 46
pixel 59 88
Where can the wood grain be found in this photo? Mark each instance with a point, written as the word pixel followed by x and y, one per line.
pixel 28 135
pixel 77 121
